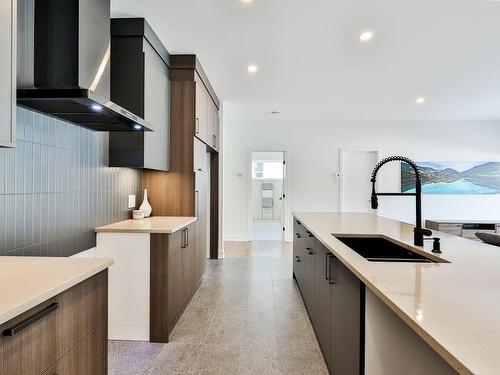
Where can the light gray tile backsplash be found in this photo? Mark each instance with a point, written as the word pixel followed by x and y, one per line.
pixel 56 187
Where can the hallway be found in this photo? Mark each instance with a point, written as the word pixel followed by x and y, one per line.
pixel 246 318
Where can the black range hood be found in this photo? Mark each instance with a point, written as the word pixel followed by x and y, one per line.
pixel 64 67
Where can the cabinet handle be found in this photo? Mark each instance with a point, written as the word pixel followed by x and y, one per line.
pixel 298 235
pixel 327 263
pixel 187 237
pixel 197 126
pixel 309 250
pixel 215 139
pixel 26 323
pixel 183 238
pixel 197 204
pixel 331 280
pixel 310 234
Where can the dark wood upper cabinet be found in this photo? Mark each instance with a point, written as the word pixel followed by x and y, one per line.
pixel 140 83
pixel 206 104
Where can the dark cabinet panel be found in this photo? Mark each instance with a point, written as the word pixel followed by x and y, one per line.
pixel 347 320
pixel 334 298
pixel 322 300
pixel 309 266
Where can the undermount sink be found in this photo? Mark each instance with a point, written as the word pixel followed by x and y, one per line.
pixel 379 249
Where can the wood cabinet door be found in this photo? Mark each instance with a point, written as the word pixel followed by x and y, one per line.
pixel 191 263
pixel 322 298
pixel 345 320
pixel 57 326
pixel 8 72
pixel 176 284
pixel 202 110
pixel 89 357
pixel 202 225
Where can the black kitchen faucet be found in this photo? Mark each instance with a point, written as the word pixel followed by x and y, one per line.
pixel 418 231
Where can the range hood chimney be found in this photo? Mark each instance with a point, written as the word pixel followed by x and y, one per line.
pixel 64 64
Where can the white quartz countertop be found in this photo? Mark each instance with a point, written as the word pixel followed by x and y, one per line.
pixel 454 307
pixel 25 282
pixel 154 224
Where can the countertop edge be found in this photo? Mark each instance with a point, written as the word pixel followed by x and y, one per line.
pixel 105 229
pixel 12 313
pixel 426 336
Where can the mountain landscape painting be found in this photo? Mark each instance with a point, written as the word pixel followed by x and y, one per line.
pixel 470 178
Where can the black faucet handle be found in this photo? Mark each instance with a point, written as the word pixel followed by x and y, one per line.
pixel 436 244
pixel 423 231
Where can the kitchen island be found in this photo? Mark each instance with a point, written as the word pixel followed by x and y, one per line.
pixel 158 267
pixel 53 314
pixel 438 317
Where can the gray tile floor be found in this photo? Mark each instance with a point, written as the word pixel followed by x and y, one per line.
pixel 246 318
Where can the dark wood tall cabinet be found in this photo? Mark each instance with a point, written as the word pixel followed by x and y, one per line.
pixel 194 129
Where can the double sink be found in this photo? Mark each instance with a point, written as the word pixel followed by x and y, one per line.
pixel 380 249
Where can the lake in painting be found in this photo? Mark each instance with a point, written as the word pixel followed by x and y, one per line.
pixel 453 177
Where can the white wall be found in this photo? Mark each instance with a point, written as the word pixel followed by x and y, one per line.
pixel 313 158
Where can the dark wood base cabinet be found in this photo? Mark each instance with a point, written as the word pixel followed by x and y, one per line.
pixel 177 268
pixel 334 298
pixel 69 338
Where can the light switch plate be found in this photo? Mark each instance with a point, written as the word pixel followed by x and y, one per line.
pixel 131 201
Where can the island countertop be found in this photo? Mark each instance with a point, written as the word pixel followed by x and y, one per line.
pixel 454 307
pixel 25 282
pixel 154 224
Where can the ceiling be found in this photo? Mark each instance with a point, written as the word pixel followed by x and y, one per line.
pixel 312 66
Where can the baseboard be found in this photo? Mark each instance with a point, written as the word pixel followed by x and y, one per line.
pixel 236 238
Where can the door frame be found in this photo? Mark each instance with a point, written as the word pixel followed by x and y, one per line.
pixel 286 174
pixel 341 169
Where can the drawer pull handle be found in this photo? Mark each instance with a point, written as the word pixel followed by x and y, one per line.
pixel 26 323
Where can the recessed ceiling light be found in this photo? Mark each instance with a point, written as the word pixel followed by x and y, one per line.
pixel 137 127
pixel 420 100
pixel 366 36
pixel 252 68
pixel 96 107
pixel 246 1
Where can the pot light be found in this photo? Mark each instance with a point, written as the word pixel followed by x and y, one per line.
pixel 96 107
pixel 252 69
pixel 366 36
pixel 246 1
pixel 420 100
pixel 137 127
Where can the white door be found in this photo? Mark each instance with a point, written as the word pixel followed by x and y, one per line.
pixel 355 172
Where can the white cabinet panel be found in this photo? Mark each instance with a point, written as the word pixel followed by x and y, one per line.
pixel 7 72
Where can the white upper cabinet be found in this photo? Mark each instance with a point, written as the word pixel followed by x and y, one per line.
pixel 8 73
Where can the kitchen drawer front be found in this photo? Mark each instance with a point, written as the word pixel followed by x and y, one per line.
pixel 39 345
pixel 310 239
pixel 299 228
pixel 89 357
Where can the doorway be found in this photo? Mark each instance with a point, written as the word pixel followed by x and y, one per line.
pixel 355 187
pixel 267 195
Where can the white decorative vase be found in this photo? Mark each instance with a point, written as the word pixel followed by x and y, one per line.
pixel 145 206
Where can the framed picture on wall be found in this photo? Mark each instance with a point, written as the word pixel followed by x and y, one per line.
pixel 471 178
